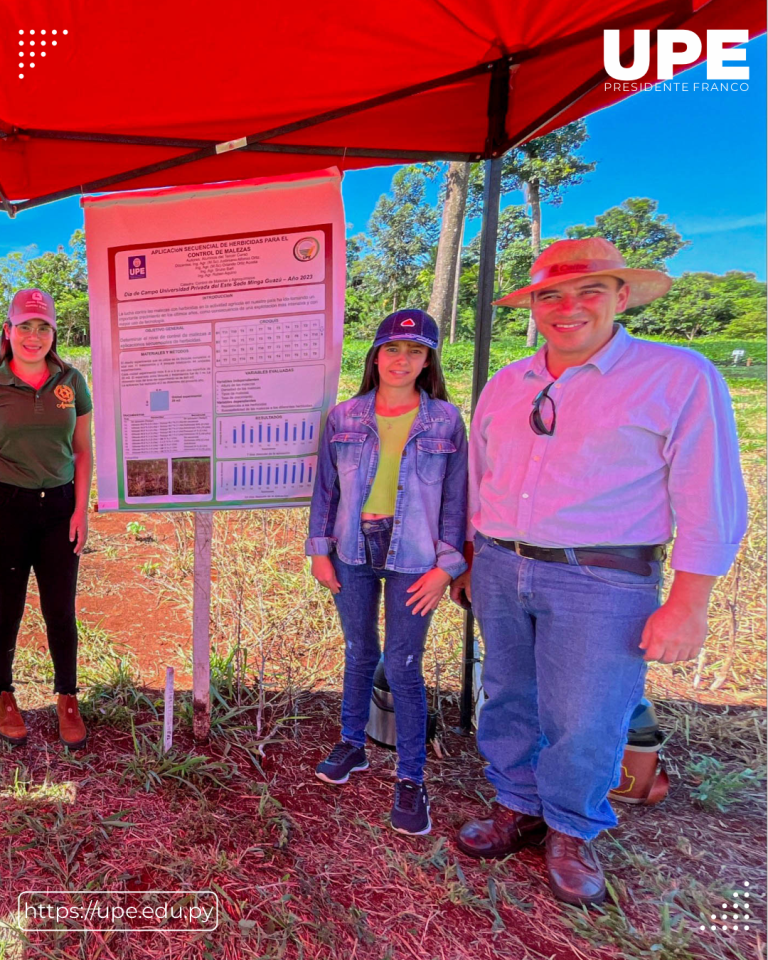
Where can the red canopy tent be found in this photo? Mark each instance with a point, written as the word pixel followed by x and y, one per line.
pixel 99 95
pixel 127 96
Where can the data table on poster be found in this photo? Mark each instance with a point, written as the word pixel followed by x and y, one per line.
pixel 290 434
pixel 270 340
pixel 265 479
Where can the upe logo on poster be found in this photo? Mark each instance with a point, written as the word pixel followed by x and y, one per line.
pixel 137 268
pixel 676 48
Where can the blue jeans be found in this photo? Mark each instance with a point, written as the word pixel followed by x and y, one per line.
pixel 563 672
pixel 358 607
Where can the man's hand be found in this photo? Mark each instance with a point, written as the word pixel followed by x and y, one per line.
pixel 78 530
pixel 678 629
pixel 427 591
pixel 462 586
pixel 323 572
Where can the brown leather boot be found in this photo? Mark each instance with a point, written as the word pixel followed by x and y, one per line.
pixel 71 727
pixel 504 832
pixel 574 872
pixel 12 726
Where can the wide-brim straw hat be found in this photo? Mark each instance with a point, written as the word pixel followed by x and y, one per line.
pixel 590 257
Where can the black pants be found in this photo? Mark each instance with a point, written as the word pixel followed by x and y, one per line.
pixel 34 534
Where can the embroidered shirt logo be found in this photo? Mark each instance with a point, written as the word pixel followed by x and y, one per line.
pixel 66 395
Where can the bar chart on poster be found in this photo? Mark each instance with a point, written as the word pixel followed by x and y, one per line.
pixel 289 433
pixel 217 355
pixel 265 478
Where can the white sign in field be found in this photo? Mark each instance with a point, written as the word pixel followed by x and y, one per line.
pixel 216 327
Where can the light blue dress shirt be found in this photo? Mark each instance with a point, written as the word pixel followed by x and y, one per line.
pixel 644 449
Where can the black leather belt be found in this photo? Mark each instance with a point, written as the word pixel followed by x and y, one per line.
pixel 633 559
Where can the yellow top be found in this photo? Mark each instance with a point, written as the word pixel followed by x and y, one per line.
pixel 393 433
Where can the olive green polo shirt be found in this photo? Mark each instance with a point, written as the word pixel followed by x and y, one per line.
pixel 37 426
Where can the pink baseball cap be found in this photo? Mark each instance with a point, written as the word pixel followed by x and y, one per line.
pixel 32 304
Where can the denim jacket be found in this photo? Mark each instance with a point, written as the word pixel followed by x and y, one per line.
pixel 430 509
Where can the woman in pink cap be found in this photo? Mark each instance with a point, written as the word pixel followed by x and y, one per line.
pixel 46 463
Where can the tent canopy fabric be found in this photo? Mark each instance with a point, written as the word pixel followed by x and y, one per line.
pixel 118 100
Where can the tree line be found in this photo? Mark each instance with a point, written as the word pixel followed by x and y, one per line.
pixel 413 253
pixel 64 275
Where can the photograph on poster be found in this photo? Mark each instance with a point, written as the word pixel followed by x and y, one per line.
pixel 383 417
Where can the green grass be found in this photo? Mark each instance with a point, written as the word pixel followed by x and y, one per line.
pixel 305 873
pixel 458 359
pixel 718 788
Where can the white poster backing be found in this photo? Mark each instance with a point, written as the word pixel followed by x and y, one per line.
pixel 216 328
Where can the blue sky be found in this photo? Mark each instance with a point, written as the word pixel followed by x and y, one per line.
pixel 700 154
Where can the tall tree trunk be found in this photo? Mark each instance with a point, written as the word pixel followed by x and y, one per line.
pixel 456 280
pixel 449 245
pixel 535 202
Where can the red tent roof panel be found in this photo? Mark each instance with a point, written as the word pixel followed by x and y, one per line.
pixel 190 69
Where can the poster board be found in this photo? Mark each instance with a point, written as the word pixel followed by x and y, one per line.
pixel 216 327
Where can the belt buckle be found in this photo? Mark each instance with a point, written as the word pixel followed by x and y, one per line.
pixel 517 548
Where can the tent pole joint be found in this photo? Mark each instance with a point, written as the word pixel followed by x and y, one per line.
pixel 7 205
pixel 498 104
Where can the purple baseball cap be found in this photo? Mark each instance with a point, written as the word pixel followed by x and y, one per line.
pixel 408 325
pixel 32 304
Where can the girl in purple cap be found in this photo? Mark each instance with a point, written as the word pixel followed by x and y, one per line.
pixel 389 506
pixel 46 464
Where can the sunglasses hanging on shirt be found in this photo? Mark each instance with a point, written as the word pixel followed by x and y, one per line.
pixel 543 415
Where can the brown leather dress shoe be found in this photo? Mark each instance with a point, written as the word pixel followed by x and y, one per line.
pixel 12 726
pixel 71 727
pixel 574 872
pixel 505 832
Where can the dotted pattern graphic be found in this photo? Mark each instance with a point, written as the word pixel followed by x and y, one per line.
pixel 32 44
pixel 739 913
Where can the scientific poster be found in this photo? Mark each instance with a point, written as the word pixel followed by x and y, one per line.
pixel 216 325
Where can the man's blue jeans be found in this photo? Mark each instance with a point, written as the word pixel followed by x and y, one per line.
pixel 404 636
pixel 563 672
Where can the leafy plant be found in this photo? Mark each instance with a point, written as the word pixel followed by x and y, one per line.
pixel 150 568
pixel 718 788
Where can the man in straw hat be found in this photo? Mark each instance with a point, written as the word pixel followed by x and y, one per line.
pixel 583 459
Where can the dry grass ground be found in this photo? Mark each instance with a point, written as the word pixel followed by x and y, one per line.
pixel 305 871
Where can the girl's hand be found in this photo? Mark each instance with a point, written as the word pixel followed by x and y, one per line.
pixel 78 530
pixel 427 591
pixel 323 572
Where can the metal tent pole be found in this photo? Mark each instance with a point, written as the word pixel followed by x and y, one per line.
pixel 483 321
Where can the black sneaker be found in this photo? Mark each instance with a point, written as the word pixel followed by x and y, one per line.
pixel 410 811
pixel 345 758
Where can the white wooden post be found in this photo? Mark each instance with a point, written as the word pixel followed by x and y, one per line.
pixel 201 631
pixel 168 711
